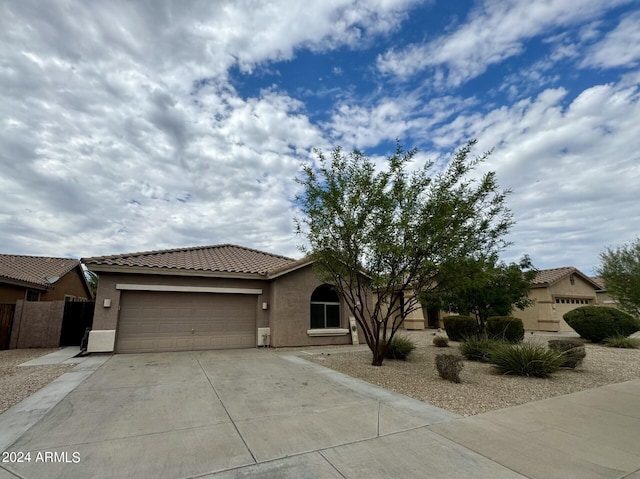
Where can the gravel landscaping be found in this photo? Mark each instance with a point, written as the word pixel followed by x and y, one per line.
pixel 19 382
pixel 481 389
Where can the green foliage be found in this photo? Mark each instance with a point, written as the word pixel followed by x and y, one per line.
pixel 622 342
pixel 620 270
pixel 449 367
pixel 481 286
pixel 92 281
pixel 400 347
pixel 505 328
pixel 440 341
pixel 598 322
pixel 526 359
pixel 573 350
pixel 388 227
pixel 459 328
pixel 479 349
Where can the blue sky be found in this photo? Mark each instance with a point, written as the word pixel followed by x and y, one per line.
pixel 132 126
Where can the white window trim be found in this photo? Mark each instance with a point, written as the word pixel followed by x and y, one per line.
pixel 327 332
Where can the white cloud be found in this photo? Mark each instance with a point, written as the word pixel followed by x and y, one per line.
pixel 120 130
pixel 619 48
pixel 493 32
pixel 574 169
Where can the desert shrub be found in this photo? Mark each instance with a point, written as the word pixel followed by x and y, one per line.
pixel 526 359
pixel 400 347
pixel 572 349
pixel 449 367
pixel 479 349
pixel 440 341
pixel 622 342
pixel 599 322
pixel 506 328
pixel 459 328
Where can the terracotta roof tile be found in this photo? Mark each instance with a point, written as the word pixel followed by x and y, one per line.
pixel 34 269
pixel 548 276
pixel 225 258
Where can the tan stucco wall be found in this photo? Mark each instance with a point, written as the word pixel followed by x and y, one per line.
pixel 10 294
pixel 37 324
pixel 71 284
pixel 291 311
pixel 546 314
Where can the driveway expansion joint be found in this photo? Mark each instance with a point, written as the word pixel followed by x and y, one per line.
pixel 226 410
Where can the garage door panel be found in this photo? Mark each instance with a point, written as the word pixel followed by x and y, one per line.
pixel 161 321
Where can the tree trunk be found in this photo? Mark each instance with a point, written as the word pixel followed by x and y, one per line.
pixel 378 355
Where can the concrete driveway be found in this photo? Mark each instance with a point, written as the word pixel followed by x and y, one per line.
pixel 237 414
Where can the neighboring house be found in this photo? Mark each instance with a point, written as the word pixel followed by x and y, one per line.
pixel 212 297
pixel 39 278
pixel 556 292
pixel 602 296
pixel 33 294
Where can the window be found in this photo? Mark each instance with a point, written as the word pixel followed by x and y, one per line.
pixel 325 308
pixel 572 301
pixel 32 295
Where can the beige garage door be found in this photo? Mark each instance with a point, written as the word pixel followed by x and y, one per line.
pixel 166 321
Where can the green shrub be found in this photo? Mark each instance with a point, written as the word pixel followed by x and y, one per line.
pixel 622 342
pixel 526 359
pixel 449 367
pixel 505 328
pixel 479 349
pixel 459 328
pixel 400 347
pixel 440 341
pixel 572 349
pixel 598 322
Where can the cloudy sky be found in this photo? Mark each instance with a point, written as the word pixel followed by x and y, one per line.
pixel 133 125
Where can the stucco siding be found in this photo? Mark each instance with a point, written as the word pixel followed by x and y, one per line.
pixel 291 311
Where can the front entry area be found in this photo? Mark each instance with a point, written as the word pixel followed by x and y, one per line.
pixel 171 321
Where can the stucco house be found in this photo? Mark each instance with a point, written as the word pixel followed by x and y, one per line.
pixel 212 297
pixel 555 292
pixel 33 293
pixel 40 278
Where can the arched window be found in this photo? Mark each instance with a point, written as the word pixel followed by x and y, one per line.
pixel 325 308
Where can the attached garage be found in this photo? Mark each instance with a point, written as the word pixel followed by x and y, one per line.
pixel 152 321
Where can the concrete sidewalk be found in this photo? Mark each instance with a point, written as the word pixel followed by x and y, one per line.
pixel 66 355
pixel 588 434
pixel 246 413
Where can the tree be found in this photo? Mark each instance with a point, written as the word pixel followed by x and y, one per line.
pixel 620 270
pixel 92 280
pixel 375 233
pixel 482 287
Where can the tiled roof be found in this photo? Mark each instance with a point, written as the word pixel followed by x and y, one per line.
pixel 34 269
pixel 548 276
pixel 224 258
pixel 599 280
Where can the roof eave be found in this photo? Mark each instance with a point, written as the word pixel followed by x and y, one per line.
pixel 101 268
pixel 281 272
